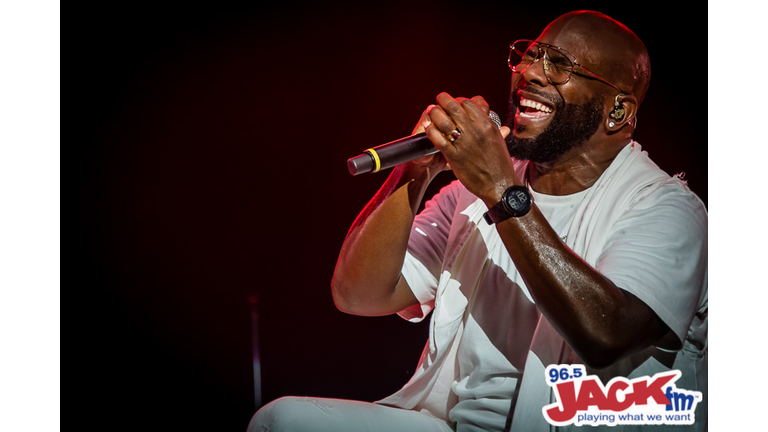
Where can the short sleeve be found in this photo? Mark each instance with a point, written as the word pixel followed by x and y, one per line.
pixel 658 252
pixel 426 250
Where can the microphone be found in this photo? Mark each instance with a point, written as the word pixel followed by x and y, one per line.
pixel 397 152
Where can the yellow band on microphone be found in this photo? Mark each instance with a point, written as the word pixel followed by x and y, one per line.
pixel 376 159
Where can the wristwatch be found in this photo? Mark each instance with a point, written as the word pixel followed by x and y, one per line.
pixel 515 202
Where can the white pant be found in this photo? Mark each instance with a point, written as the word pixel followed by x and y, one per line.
pixel 296 414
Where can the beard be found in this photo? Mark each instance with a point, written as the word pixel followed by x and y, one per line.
pixel 571 127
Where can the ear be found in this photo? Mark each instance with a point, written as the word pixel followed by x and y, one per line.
pixel 622 114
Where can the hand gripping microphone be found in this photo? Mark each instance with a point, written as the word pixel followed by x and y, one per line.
pixel 397 152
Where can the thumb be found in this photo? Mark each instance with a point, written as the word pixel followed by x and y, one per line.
pixel 504 131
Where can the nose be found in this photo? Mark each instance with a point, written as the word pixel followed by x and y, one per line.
pixel 534 72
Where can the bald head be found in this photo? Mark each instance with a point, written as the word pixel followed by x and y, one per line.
pixel 610 47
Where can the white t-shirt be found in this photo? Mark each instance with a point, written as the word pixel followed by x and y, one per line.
pixel 484 321
pixel 498 326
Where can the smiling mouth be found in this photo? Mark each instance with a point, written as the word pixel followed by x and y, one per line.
pixel 532 109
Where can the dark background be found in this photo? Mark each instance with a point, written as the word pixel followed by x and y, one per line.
pixel 210 172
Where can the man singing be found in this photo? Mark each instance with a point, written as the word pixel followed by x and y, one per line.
pixel 561 243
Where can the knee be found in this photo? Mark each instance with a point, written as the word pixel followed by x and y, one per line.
pixel 280 415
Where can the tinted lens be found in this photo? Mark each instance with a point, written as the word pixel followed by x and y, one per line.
pixel 558 66
pixel 523 51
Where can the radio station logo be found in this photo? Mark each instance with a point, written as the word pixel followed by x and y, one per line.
pixel 584 400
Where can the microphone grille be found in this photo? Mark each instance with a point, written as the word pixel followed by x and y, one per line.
pixel 495 117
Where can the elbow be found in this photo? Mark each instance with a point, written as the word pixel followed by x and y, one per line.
pixel 344 298
pixel 350 299
pixel 338 293
pixel 604 353
pixel 605 349
pixel 599 360
pixel 598 347
pixel 343 284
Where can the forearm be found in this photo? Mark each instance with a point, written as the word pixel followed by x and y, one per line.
pixel 601 322
pixel 365 281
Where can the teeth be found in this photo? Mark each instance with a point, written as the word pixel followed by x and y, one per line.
pixel 535 105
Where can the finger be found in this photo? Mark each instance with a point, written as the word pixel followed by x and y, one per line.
pixel 471 104
pixel 462 100
pixel 452 108
pixel 481 102
pixel 444 123
pixel 438 139
pixel 423 121
pixel 505 131
pixel 477 109
pixel 473 111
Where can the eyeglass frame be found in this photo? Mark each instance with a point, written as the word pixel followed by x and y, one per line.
pixel 568 55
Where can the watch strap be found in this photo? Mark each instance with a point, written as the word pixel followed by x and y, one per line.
pixel 515 202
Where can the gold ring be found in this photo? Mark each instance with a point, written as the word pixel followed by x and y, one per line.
pixel 454 135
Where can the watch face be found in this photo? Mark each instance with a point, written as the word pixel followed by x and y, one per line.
pixel 517 201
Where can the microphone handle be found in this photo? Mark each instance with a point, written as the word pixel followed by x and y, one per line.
pixel 397 152
pixel 392 153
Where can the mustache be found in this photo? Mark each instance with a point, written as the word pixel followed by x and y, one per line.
pixel 514 102
pixel 514 99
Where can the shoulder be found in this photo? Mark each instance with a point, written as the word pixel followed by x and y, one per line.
pixel 639 184
pixel 672 197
